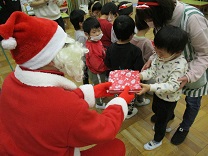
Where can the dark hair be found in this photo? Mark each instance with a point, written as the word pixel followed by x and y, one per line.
pixel 171 38
pixel 109 7
pixel 90 23
pixel 159 14
pixel 123 27
pixel 77 16
pixel 140 24
pixel 94 5
pixel 125 11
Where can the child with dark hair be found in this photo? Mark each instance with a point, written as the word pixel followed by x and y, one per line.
pixel 94 8
pixel 141 41
pixel 125 8
pixel 166 68
pixel 108 14
pixel 147 48
pixel 77 19
pixel 123 54
pixel 158 13
pixel 95 56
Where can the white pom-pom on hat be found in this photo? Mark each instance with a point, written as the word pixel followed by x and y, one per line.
pixel 9 43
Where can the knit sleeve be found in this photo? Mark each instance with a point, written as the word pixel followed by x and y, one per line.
pixel 172 84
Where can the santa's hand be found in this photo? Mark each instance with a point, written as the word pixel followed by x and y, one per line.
pixel 183 80
pixel 101 90
pixel 145 88
pixel 126 95
pixel 147 65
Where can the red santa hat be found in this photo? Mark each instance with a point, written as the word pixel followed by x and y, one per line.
pixel 33 41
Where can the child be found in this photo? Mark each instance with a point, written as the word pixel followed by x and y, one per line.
pixel 49 9
pixel 123 54
pixel 95 56
pixel 141 41
pixel 94 8
pixel 124 8
pixel 108 14
pixel 147 48
pixel 166 68
pixel 77 19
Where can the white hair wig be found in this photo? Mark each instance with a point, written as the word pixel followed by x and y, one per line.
pixel 70 59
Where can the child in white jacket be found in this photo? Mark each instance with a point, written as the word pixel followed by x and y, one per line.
pixel 166 68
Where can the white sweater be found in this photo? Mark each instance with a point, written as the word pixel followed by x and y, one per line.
pixel 50 10
pixel 166 75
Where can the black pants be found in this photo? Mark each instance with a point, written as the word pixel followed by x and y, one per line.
pixel 60 22
pixel 164 110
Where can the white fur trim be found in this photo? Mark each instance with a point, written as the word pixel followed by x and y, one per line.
pixel 77 152
pixel 9 43
pixel 89 94
pixel 46 55
pixel 119 101
pixel 41 79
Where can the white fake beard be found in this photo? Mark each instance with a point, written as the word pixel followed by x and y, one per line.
pixel 69 60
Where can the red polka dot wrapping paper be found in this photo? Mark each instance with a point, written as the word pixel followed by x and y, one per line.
pixel 122 78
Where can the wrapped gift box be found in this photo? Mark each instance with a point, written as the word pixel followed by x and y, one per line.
pixel 122 78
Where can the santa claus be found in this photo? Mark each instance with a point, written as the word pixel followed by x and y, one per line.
pixel 42 112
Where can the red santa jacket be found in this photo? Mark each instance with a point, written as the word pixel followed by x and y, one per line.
pixel 46 114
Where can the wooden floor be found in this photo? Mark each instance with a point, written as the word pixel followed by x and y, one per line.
pixel 137 131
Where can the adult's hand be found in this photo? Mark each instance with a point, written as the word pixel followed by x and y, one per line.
pixel 147 65
pixel 101 90
pixel 183 80
pixel 128 97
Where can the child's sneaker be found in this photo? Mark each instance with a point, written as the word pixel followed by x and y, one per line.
pixel 100 106
pixel 143 103
pixel 152 145
pixel 168 129
pixel 132 113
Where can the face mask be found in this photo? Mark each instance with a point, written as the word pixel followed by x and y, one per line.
pixel 150 24
pixel 96 38
pixel 109 18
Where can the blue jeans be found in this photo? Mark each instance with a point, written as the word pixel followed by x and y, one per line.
pixel 192 108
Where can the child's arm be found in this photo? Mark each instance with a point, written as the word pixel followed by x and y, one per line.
pixel 107 58
pixel 95 58
pixel 37 3
pixel 149 73
pixel 172 84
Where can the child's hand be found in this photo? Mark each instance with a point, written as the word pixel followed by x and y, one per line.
pixel 145 88
pixel 147 65
pixel 140 76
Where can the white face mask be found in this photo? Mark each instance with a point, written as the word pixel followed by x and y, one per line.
pixel 150 24
pixel 109 18
pixel 96 38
